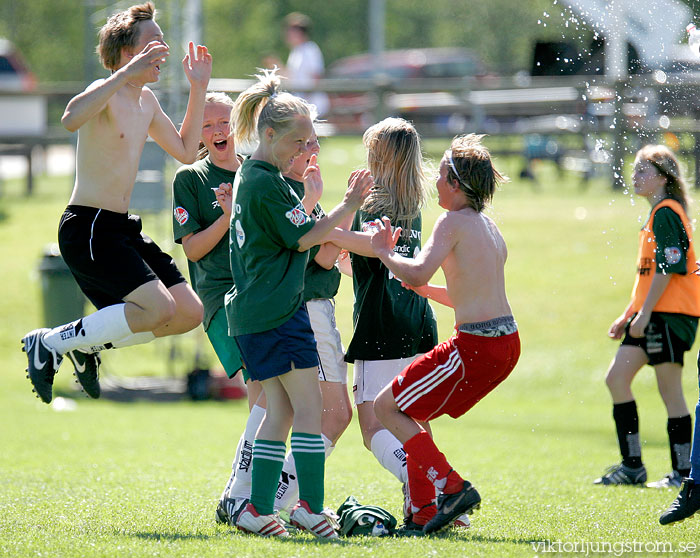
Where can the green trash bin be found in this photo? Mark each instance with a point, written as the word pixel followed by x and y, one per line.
pixel 63 301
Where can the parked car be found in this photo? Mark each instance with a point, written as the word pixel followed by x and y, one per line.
pixel 355 111
pixel 424 63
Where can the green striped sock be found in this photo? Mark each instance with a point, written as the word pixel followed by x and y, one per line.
pixel 309 455
pixel 268 457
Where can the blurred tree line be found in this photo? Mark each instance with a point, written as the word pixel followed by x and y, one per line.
pixel 58 37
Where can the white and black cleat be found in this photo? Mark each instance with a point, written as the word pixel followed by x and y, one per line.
pixel 87 371
pixel 43 363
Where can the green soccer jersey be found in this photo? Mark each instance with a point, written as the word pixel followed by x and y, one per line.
pixel 671 253
pixel 389 321
pixel 195 208
pixel 268 270
pixel 319 282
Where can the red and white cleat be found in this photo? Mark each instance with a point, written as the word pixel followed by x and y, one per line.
pixel 251 521
pixel 462 522
pixel 323 525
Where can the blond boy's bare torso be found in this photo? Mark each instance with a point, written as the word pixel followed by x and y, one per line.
pixel 109 150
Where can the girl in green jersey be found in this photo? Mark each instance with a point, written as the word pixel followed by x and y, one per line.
pixel 271 232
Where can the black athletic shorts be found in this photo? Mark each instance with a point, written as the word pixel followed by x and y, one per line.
pixel 109 256
pixel 660 343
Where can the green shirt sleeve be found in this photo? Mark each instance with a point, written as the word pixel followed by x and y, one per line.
pixel 671 242
pixel 186 217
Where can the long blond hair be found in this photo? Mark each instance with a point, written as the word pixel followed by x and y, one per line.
pixel 263 106
pixel 396 162
pixel 666 162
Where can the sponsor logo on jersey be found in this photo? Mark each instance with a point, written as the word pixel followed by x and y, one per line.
pixel 297 216
pixel 673 255
pixel 181 215
pixel 370 226
pixel 240 234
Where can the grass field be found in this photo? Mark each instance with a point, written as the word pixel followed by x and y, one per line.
pixel 111 479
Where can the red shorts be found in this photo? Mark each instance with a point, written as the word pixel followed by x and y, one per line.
pixel 455 375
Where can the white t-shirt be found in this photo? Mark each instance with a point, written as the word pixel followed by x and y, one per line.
pixel 304 67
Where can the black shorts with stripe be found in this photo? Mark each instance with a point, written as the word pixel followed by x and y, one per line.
pixel 109 256
pixel 660 343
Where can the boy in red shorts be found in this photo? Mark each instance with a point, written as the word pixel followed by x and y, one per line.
pixel 457 374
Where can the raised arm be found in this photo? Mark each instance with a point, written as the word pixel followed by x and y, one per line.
pixel 414 271
pixel 358 188
pixel 183 144
pixel 94 99
pixel 352 241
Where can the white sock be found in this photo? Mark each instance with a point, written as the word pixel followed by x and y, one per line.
pixel 242 470
pixel 227 488
pixel 390 453
pixel 288 487
pixel 103 326
pixel 134 339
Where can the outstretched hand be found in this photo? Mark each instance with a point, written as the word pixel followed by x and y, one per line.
pixel 313 182
pixel 359 185
pixel 197 65
pixel 384 238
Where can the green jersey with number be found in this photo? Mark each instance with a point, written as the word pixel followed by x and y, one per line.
pixel 389 321
pixel 267 221
pixel 195 208
pixel 319 282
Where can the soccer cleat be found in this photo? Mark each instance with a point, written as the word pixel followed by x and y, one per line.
pixel 622 474
pixel 323 524
pixel 228 510
pixel 462 522
pixel 685 504
pixel 451 506
pixel 671 480
pixel 251 521
pixel 87 368
pixel 409 529
pixel 43 363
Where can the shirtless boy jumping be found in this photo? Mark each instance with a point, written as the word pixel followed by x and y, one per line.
pixel 138 290
pixel 457 374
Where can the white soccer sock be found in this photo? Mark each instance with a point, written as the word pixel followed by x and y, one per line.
pixel 227 488
pixel 390 453
pixel 134 339
pixel 103 326
pixel 287 493
pixel 242 471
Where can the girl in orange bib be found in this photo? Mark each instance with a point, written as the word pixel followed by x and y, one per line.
pixel 659 324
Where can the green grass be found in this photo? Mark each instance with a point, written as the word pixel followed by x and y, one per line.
pixel 142 479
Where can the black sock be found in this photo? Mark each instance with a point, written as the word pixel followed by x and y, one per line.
pixel 627 424
pixel 680 432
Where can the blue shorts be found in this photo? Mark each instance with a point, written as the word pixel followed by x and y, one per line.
pixel 272 353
